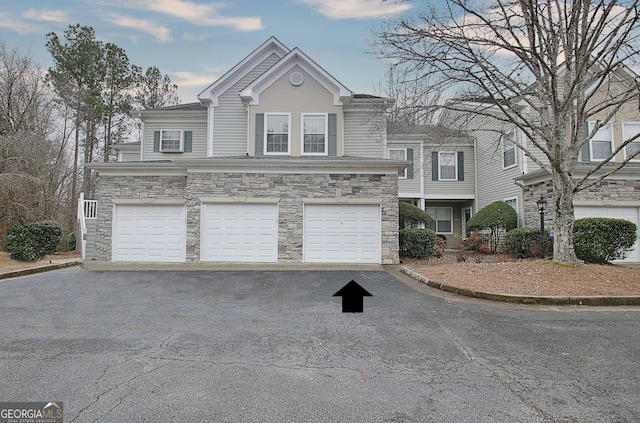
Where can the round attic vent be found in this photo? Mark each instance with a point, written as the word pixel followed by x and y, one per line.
pixel 615 91
pixel 296 78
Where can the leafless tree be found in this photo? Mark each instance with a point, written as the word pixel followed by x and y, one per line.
pixel 541 64
pixel 33 155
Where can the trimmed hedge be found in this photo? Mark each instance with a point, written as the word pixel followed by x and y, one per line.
pixel 496 218
pixel 603 239
pixel 32 241
pixel 419 243
pixel 411 216
pixel 525 243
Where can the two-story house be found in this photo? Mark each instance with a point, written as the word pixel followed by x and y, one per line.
pixel 277 162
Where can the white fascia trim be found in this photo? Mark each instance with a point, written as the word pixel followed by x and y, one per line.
pixel 137 169
pixel 450 197
pixel 296 170
pixel 295 58
pixel 240 70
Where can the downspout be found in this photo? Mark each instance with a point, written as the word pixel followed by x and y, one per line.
pixel 248 130
pixel 210 119
pixel 141 137
pixel 475 169
pixel 421 167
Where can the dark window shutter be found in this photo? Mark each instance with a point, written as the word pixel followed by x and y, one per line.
pixel 188 141
pixel 410 160
pixel 259 134
pixel 332 146
pixel 156 141
pixel 434 166
pixel 460 165
pixel 586 152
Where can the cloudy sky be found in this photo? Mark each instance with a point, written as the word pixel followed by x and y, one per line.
pixel 196 41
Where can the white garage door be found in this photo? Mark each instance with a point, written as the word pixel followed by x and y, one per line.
pixel 239 233
pixel 627 213
pixel 149 233
pixel 339 233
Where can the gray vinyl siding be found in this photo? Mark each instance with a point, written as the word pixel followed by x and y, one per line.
pixel 199 138
pixel 410 185
pixel 363 134
pixel 496 183
pixel 230 116
pixel 448 188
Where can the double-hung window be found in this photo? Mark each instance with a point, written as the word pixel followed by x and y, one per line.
pixel 314 134
pixel 277 133
pixel 601 144
pixel 448 166
pixel 631 130
pixel 399 154
pixel 509 150
pixel 171 140
pixel 442 219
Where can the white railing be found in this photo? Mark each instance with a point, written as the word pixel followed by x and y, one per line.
pixel 90 208
pixel 81 233
pixel 86 210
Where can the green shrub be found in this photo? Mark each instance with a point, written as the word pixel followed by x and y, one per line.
pixel 496 218
pixel 602 239
pixel 411 216
pixel 32 241
pixel 525 243
pixel 71 241
pixel 419 243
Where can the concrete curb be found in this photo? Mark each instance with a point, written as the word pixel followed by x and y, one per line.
pixel 528 299
pixel 40 269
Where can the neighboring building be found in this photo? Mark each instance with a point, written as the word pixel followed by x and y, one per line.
pixel 505 173
pixel 440 178
pixel 277 162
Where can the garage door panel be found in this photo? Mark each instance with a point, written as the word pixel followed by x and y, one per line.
pixel 146 233
pixel 239 233
pixel 342 233
pixel 627 213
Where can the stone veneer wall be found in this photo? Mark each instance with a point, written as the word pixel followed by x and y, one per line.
pixel 607 191
pixel 139 187
pixel 291 189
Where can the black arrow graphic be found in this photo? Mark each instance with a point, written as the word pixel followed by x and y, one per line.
pixel 352 295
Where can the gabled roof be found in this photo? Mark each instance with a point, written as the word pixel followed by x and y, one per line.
pixel 296 58
pixel 266 49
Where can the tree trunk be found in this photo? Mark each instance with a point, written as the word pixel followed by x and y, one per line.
pixel 563 249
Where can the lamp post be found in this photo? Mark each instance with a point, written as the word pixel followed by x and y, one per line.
pixel 542 205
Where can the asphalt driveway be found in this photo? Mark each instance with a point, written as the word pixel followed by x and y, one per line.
pixel 248 346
